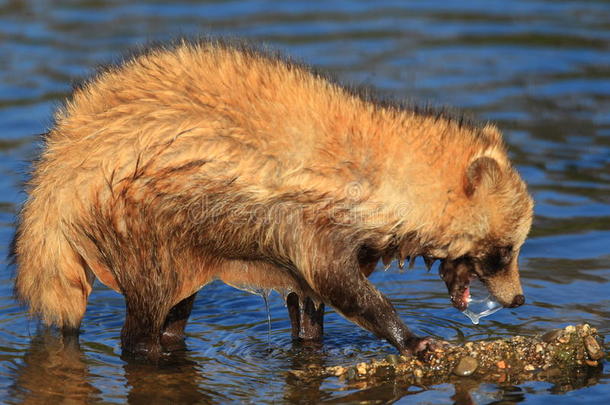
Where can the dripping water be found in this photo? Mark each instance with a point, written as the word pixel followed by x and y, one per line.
pixel 265 295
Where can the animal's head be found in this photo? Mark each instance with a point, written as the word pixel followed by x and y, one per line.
pixel 501 216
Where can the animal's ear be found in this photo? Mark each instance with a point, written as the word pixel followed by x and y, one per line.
pixel 482 172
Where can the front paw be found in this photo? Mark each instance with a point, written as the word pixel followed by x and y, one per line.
pixel 424 347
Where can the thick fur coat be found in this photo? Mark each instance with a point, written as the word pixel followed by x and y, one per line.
pixel 204 160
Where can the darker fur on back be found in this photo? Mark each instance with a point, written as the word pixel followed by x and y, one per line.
pixel 255 50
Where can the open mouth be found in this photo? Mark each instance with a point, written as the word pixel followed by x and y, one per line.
pixel 460 297
pixel 457 275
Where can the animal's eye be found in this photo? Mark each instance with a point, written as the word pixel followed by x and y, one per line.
pixel 498 259
pixel 506 254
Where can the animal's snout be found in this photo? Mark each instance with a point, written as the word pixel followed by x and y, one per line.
pixel 517 301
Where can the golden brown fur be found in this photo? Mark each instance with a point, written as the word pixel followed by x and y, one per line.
pixel 204 161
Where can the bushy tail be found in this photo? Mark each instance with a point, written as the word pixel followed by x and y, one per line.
pixel 51 277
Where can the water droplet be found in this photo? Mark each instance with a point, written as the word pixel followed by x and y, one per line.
pixel 481 303
pixel 265 295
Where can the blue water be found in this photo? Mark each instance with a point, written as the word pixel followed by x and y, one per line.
pixel 539 69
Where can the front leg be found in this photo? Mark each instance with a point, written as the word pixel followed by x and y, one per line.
pixel 337 278
pixel 307 320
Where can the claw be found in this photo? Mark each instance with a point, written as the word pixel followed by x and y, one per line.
pixel 422 347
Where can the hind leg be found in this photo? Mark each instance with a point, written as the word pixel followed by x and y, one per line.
pixel 141 334
pixel 172 335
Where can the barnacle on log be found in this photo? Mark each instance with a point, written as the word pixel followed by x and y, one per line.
pixel 554 356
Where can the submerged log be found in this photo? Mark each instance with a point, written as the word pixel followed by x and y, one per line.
pixel 558 355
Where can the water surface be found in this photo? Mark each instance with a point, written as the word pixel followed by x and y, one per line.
pixel 539 69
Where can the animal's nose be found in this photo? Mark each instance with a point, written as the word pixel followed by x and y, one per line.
pixel 517 301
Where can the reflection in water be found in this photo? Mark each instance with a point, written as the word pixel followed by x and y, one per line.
pixel 462 395
pixel 302 356
pixel 177 380
pixel 54 370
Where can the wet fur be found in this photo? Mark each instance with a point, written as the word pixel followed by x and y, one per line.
pixel 205 160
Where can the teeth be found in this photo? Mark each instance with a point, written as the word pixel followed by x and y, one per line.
pixel 401 264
